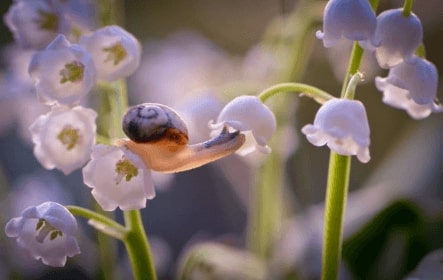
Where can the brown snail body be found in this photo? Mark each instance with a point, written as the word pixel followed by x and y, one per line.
pixel 159 136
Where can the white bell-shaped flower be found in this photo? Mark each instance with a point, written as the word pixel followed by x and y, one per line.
pixel 396 37
pixel 63 72
pixel 116 52
pixel 250 116
pixel 412 86
pixel 47 232
pixel 35 23
pixel 343 126
pixel 64 137
pixel 118 178
pixel 353 19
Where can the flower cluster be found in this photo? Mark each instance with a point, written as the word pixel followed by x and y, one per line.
pixel 64 73
pixel 395 36
pixel 67 62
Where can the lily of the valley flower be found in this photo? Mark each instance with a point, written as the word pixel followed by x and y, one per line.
pixel 412 86
pixel 35 23
pixel 116 53
pixel 64 137
pixel 397 37
pixel 63 72
pixel 353 19
pixel 118 178
pixel 47 232
pixel 343 126
pixel 251 117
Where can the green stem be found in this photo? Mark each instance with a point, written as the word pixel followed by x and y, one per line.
pixel 265 213
pixel 407 7
pixel 308 90
pixel 354 65
pixel 336 194
pixel 137 245
pixel 100 222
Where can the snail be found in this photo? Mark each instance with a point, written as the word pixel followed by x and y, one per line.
pixel 159 136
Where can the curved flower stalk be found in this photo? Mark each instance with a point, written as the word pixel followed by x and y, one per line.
pixel 343 126
pixel 118 178
pixel 253 118
pixel 64 137
pixel 353 19
pixel 116 52
pixel 397 37
pixel 47 232
pixel 35 23
pixel 63 72
pixel 412 86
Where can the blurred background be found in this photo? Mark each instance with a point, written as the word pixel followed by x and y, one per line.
pixel 198 55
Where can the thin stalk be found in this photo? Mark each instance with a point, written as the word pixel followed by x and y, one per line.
pixel 264 213
pixel 407 7
pixel 137 246
pixel 99 221
pixel 354 65
pixel 336 195
pixel 319 95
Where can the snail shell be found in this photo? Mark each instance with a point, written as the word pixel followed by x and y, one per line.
pixel 150 122
pixel 159 136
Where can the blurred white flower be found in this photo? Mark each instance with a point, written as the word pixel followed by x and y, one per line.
pixel 396 37
pixel 118 178
pixel 412 86
pixel 63 72
pixel 64 137
pixel 47 232
pixel 253 118
pixel 343 126
pixel 116 52
pixel 35 23
pixel 353 19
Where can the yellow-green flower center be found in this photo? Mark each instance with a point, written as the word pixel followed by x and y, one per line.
pixel 73 72
pixel 69 137
pixel 125 169
pixel 47 20
pixel 115 53
pixel 44 229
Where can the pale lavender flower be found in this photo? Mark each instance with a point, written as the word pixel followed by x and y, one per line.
pixel 35 23
pixel 396 37
pixel 250 116
pixel 118 178
pixel 63 72
pixel 47 232
pixel 412 86
pixel 343 126
pixel 116 52
pixel 353 19
pixel 64 137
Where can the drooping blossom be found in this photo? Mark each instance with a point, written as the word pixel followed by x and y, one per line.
pixel 251 117
pixel 343 126
pixel 411 86
pixel 352 19
pixel 63 72
pixel 64 137
pixel 47 232
pixel 397 37
pixel 116 52
pixel 118 178
pixel 35 23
